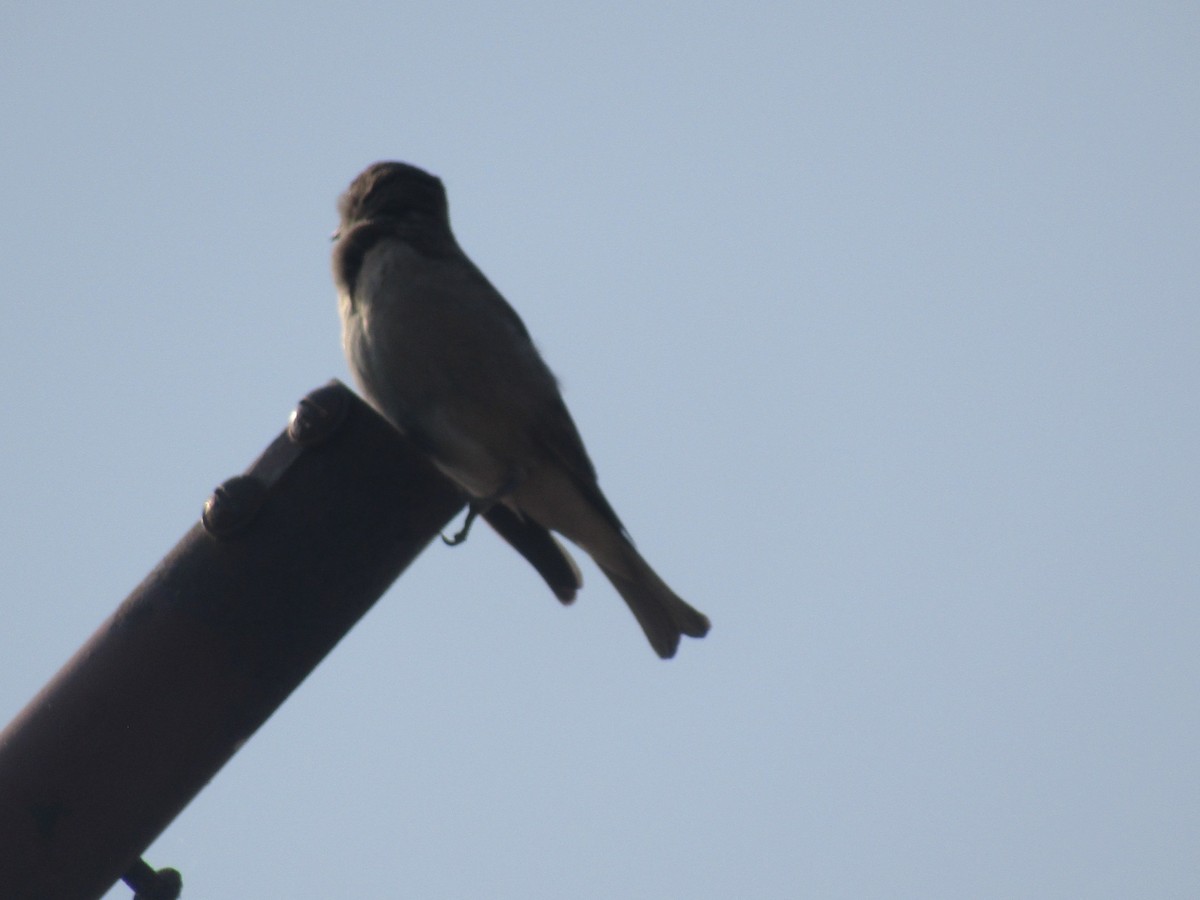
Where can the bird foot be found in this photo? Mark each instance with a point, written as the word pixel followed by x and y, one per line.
pixel 474 508
pixel 479 506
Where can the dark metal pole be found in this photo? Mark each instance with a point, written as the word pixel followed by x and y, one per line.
pixel 288 558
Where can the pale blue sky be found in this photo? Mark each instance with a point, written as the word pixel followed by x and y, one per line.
pixel 881 324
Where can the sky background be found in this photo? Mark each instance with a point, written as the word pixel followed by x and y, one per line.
pixel 880 322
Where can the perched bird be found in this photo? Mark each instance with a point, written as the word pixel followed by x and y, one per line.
pixel 442 355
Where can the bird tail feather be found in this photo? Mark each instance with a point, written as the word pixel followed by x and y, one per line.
pixel 662 613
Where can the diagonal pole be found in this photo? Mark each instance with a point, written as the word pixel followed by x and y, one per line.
pixel 286 559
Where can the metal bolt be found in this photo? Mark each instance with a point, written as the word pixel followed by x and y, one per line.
pixel 318 415
pixel 147 884
pixel 233 505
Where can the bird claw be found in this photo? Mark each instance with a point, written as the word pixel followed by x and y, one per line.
pixel 474 508
pixel 479 506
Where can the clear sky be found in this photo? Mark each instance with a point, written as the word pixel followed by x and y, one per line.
pixel 880 322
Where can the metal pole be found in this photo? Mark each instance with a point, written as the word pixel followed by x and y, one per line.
pixel 287 558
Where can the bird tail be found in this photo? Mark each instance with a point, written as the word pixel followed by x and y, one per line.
pixel 662 613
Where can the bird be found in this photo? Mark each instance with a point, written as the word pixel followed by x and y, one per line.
pixel 437 350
